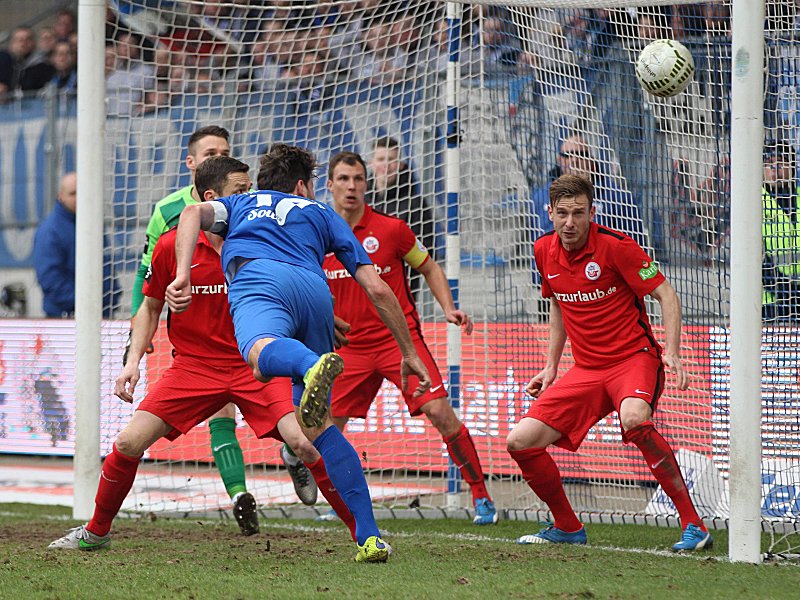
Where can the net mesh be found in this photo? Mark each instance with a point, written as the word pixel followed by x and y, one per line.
pixel 543 90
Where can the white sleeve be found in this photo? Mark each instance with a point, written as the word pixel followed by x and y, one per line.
pixel 220 217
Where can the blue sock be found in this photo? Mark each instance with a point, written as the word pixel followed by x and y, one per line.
pixel 286 357
pixel 347 476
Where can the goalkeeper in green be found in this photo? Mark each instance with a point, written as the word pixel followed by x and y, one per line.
pixel 204 143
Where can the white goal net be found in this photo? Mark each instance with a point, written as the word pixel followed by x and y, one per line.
pixel 545 88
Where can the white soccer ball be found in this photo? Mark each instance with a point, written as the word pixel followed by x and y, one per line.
pixel 665 68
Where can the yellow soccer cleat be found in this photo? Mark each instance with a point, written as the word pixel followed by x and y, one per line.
pixel 374 550
pixel 319 381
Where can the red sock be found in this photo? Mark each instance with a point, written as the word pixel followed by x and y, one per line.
pixel 462 451
pixel 332 495
pixel 662 463
pixel 542 475
pixel 116 480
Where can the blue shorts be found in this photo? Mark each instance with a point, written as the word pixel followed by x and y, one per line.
pixel 271 299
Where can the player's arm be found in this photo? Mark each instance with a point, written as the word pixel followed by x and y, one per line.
pixel 555 348
pixel 385 302
pixel 440 288
pixel 193 219
pixel 144 327
pixel 670 303
pixel 155 228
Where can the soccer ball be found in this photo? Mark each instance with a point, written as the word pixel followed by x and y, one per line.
pixel 664 68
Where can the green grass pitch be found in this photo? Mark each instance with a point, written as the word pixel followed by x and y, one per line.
pixel 192 559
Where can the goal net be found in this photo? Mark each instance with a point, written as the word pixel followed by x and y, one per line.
pixel 544 89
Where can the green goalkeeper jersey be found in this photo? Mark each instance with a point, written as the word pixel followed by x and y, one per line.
pixel 165 216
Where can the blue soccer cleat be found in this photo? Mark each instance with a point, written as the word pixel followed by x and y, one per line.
pixel 485 512
pixel 693 538
pixel 553 535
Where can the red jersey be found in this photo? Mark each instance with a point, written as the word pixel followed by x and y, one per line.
pixel 205 329
pixel 389 242
pixel 600 290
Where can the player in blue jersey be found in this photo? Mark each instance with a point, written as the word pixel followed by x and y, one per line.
pixel 282 309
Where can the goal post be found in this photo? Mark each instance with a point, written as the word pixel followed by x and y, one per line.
pixel 89 254
pixel 747 135
pixel 488 102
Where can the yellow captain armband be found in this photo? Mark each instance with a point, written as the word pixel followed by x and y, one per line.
pixel 416 256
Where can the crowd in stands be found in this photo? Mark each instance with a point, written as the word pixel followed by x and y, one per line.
pixel 34 61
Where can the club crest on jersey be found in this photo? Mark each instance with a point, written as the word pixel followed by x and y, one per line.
pixel 592 271
pixel 371 244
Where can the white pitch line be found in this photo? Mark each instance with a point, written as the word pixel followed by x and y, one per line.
pixel 465 537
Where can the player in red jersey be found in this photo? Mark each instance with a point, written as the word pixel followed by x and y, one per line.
pixel 207 373
pixel 596 279
pixel 372 354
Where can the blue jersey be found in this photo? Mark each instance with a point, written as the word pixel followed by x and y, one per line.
pixel 289 229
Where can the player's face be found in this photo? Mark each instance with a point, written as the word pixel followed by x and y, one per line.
pixel 205 148
pixel 236 183
pixel 571 219
pixel 348 186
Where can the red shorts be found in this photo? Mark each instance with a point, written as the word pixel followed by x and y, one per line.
pixel 364 372
pixel 577 401
pixel 192 390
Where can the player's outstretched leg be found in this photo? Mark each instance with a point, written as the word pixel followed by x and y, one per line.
pixel 338 507
pixel 318 382
pixel 664 467
pixel 346 474
pixel 116 480
pixel 229 459
pixel 304 483
pixel 462 450
pixel 287 357
pixel 541 474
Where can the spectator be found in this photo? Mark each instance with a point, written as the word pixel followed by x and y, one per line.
pixel 21 66
pixel 126 84
pixel 344 43
pixel 394 191
pixel 45 41
pixel 780 199
pixel 502 47
pixel 615 208
pixel 269 55
pixel 65 77
pixel 54 257
pixel 383 62
pixel 65 25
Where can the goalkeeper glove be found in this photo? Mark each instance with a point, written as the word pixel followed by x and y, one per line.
pixel 150 348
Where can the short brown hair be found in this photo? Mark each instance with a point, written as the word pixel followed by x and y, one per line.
pixel 283 166
pixel 212 173
pixel 207 131
pixel 570 186
pixel 387 142
pixel 348 158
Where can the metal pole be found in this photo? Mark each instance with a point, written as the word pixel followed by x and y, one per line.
pixel 747 138
pixel 452 241
pixel 89 252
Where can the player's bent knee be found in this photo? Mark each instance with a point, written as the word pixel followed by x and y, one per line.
pixel 441 416
pixel 516 442
pixel 130 444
